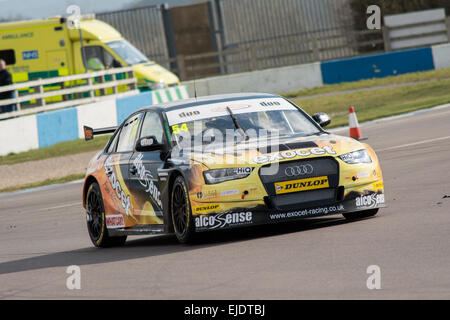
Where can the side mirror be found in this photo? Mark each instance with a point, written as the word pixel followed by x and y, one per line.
pixel 322 119
pixel 149 143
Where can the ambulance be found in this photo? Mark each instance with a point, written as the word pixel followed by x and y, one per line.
pixel 39 49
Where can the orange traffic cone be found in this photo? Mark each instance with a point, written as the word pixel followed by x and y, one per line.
pixel 355 132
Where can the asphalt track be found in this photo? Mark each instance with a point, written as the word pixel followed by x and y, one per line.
pixel 43 232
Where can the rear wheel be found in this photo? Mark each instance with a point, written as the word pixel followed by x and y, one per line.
pixel 96 220
pixel 360 214
pixel 180 208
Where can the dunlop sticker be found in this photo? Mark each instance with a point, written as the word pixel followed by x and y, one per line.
pixel 301 185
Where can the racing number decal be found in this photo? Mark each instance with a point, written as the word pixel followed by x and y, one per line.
pixel 178 128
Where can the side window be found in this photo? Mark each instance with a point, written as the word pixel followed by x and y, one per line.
pixel 152 126
pixel 127 136
pixel 9 56
pixel 97 58
pixel 112 146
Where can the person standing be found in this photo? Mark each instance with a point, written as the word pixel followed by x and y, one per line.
pixel 5 80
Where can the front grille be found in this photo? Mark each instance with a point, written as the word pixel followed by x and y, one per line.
pixel 321 167
pixel 325 166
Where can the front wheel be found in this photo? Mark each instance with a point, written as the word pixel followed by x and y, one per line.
pixel 180 207
pixel 96 220
pixel 360 214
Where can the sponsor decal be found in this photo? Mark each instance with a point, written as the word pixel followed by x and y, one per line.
pixel 301 185
pixel 223 220
pixel 307 212
pixel 115 221
pixel 30 55
pixel 293 154
pixel 189 114
pixel 146 180
pixel 229 192
pixel 206 194
pixel 115 184
pixel 244 170
pixel 360 175
pixel 369 201
pixel 220 109
pixel 378 185
pixel 207 208
pixel 146 142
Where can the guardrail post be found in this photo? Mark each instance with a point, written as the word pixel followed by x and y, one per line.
pixel 18 105
pixel 102 80
pixel 91 91
pixel 40 90
pixel 113 78
pixel 130 75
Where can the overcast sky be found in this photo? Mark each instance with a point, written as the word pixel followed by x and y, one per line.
pixel 36 9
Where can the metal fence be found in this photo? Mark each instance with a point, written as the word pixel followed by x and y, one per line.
pixel 250 58
pixel 326 23
pixel 252 34
pixel 143 27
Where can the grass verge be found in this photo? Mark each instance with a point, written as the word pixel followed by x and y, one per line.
pixel 46 182
pixel 441 74
pixel 56 150
pixel 370 105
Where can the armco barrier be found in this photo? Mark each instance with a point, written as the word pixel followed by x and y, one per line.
pixel 274 80
pixel 47 128
pixel 377 66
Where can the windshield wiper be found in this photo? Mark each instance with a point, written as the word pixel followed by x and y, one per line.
pixel 237 125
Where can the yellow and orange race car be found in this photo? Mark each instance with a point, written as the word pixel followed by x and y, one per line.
pixel 221 162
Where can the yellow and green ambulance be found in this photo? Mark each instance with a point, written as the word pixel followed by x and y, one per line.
pixel 38 49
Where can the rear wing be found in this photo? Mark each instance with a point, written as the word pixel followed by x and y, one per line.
pixel 89 133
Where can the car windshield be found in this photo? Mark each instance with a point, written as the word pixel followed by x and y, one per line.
pixel 245 126
pixel 127 52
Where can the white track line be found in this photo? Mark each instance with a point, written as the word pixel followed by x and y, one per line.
pixel 414 143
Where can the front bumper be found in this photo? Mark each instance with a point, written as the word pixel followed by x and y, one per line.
pixel 261 214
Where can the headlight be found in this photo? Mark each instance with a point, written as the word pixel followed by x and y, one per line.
pixel 360 156
pixel 221 175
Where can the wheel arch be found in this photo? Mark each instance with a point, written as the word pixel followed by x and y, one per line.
pixel 167 213
pixel 87 183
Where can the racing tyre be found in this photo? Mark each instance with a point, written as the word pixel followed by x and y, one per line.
pixel 180 207
pixel 96 220
pixel 360 214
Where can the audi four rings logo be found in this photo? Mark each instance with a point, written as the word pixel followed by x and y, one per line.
pixel 298 170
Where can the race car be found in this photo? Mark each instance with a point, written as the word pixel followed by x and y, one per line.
pixel 224 161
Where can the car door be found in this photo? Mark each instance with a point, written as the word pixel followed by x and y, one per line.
pixel 144 181
pixel 117 166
